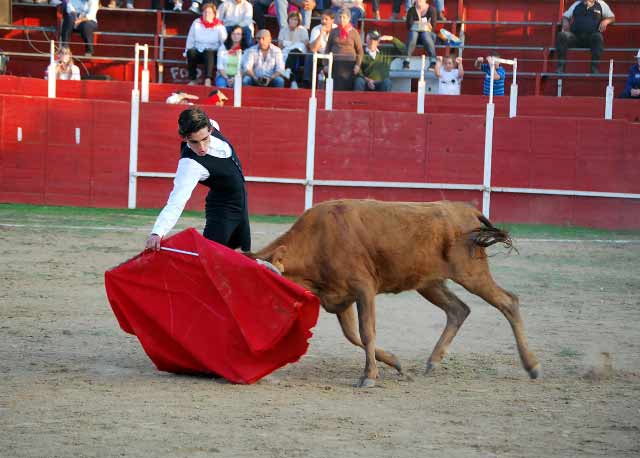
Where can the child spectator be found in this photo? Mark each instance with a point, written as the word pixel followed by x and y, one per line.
pixel 229 58
pixel 449 77
pixel 293 41
pixel 205 36
pixel 64 67
pixel 632 88
pixel 498 75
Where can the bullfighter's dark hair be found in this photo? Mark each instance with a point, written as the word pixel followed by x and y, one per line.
pixel 192 120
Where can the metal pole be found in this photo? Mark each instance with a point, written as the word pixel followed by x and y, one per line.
pixel 328 88
pixel 51 72
pixel 488 147
pixel 237 84
pixel 608 108
pixel 133 135
pixel 513 97
pixel 421 88
pixel 311 143
pixel 145 75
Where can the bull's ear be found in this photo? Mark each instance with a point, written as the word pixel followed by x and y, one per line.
pixel 278 257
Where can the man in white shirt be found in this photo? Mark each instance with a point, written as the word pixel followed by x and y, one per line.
pixel 207 158
pixel 318 43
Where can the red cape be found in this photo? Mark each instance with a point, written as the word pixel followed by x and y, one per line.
pixel 219 312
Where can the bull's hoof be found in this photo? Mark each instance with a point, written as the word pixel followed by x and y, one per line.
pixel 366 383
pixel 431 367
pixel 535 372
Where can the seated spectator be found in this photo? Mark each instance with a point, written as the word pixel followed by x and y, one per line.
pixel 632 88
pixel 498 75
pixel 293 41
pixel 264 65
pixel 229 60
pixel 582 26
pixel 355 7
pixel 421 21
pixel 344 42
pixel 395 9
pixel 238 12
pixel 374 74
pixel 449 77
pixel 80 16
pixel 64 67
pixel 206 35
pixel 181 98
pixel 318 43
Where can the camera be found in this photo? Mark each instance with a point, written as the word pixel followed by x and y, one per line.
pixel 263 81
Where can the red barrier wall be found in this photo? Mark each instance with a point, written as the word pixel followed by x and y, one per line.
pixel 48 167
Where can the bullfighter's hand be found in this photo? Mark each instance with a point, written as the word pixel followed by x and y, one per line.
pixel 153 242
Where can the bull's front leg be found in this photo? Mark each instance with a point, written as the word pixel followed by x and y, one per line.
pixel 367 324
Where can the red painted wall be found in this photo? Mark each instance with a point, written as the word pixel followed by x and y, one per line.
pixel 48 167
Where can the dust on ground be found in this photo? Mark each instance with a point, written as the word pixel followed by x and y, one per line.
pixel 73 384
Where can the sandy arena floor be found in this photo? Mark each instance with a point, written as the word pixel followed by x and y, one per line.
pixel 72 384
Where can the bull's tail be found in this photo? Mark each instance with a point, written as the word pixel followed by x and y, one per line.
pixel 487 235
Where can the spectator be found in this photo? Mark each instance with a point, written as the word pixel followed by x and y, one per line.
pixel 238 12
pixel 582 26
pixel 632 88
pixel 264 64
pixel 498 75
pixel 205 36
pixel 318 43
pixel 80 16
pixel 395 9
pixel 64 67
pixel 114 4
pixel 449 77
pixel 344 42
pixel 421 21
pixel 293 41
pixel 260 9
pixel 355 7
pixel 374 74
pixel 229 61
pixel 181 98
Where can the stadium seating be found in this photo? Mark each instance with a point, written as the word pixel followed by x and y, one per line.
pixel 522 29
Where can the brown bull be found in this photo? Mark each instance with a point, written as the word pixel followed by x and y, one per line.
pixel 348 251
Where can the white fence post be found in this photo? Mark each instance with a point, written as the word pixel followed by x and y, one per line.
pixel 144 96
pixel 513 96
pixel 608 107
pixel 51 72
pixel 133 135
pixel 328 85
pixel 237 84
pixel 421 89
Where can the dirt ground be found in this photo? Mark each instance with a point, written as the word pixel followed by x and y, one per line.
pixel 73 384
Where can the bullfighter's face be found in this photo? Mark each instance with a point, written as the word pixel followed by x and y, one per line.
pixel 199 141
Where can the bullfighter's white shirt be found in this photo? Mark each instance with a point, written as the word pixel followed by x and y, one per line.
pixel 188 175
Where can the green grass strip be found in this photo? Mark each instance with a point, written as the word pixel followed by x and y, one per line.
pixel 84 216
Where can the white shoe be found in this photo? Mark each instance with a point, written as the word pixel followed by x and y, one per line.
pixel 207 82
pixel 130 5
pixel 287 73
pixel 192 83
pixel 195 8
pixel 177 7
pixel 294 85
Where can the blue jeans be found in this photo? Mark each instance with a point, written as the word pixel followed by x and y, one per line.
pixel 381 86
pixel 356 14
pixel 428 39
pixel 278 81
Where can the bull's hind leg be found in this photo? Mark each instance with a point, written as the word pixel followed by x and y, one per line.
pixel 478 280
pixel 457 311
pixel 348 323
